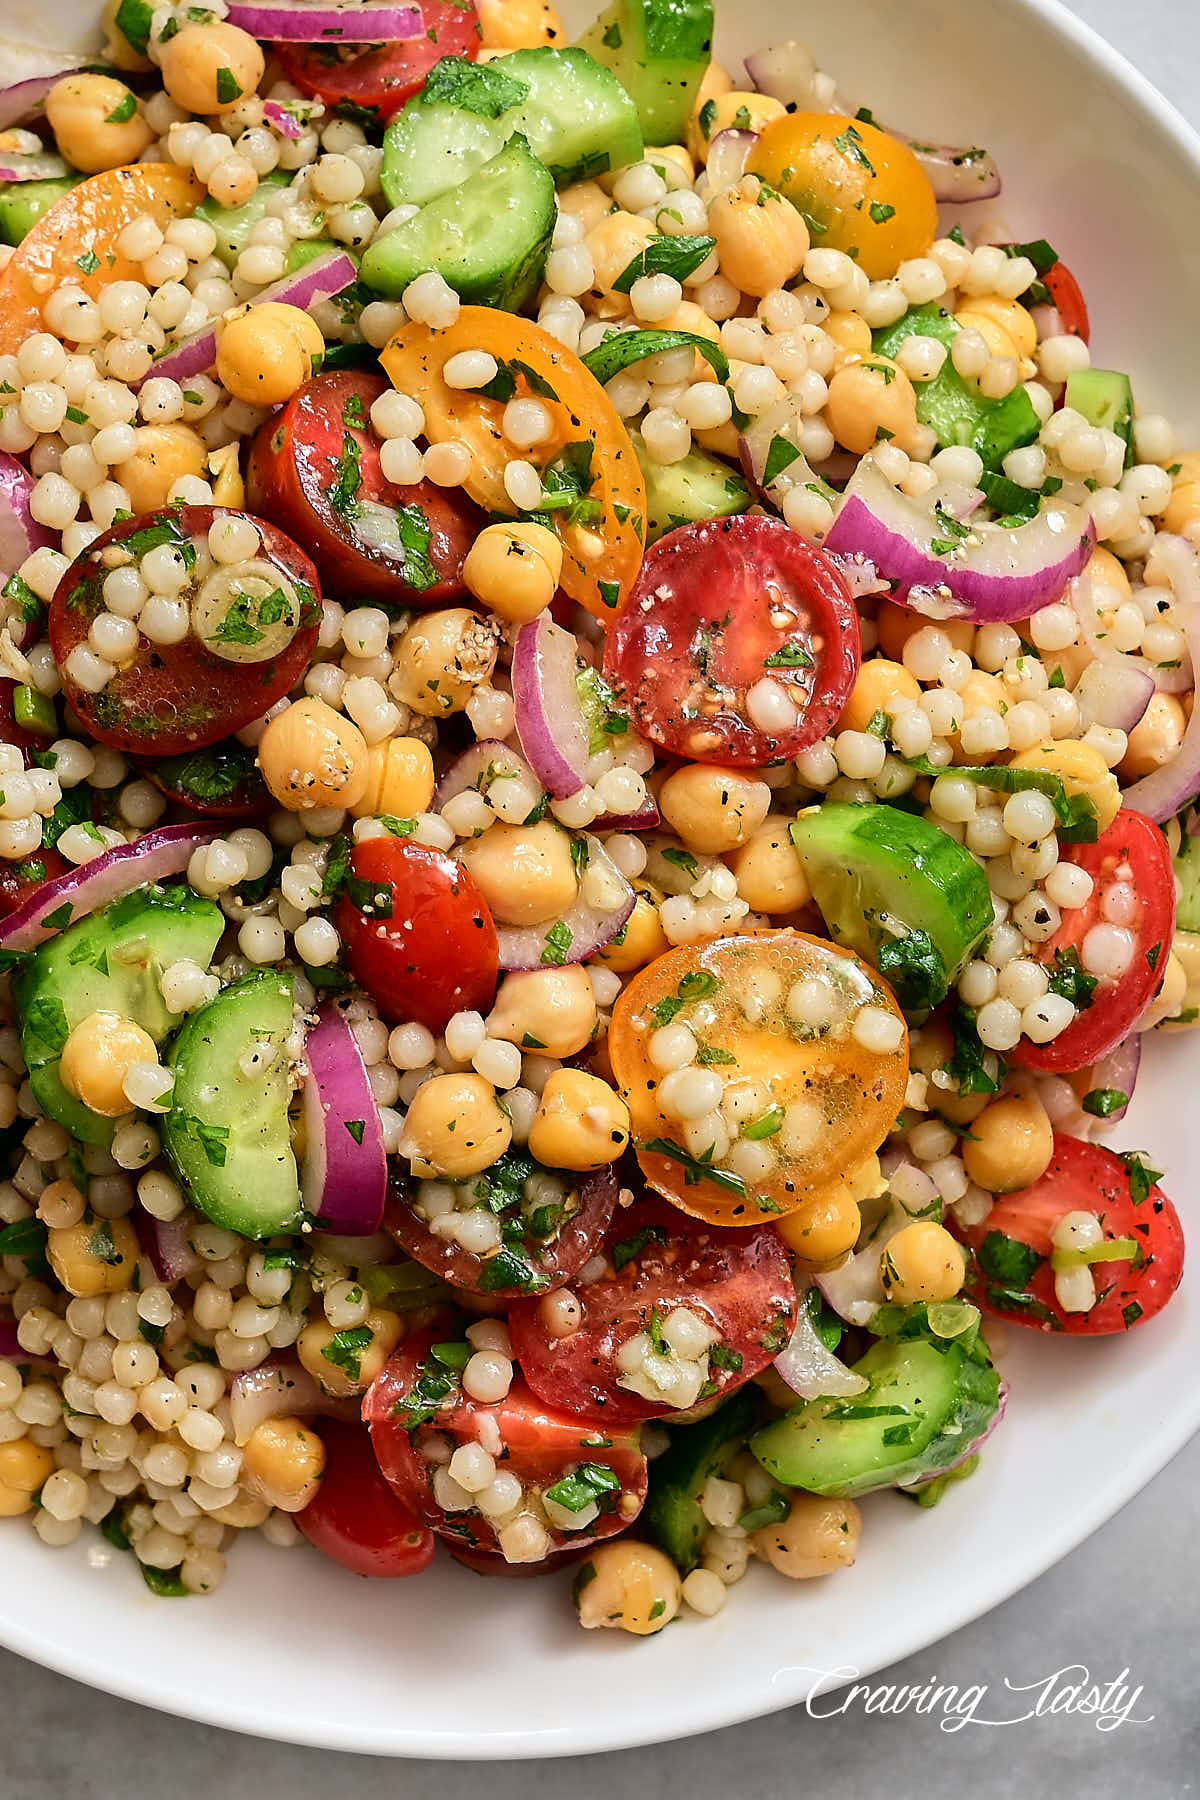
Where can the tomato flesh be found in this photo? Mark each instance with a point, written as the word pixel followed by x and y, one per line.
pixel 718 608
pixel 1066 296
pixel 739 1282
pixel 1133 851
pixel 365 79
pixel 428 948
pixel 355 1518
pixel 171 698
pixel 314 470
pixel 221 781
pixel 19 881
pixel 417 1399
pixel 1086 1178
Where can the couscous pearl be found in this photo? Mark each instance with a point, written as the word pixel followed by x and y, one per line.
pixel 877 1029
pixel 487 1376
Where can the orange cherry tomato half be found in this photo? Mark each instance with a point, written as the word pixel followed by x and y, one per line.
pixel 859 189
pixel 807 1055
pixel 75 242
pixel 596 496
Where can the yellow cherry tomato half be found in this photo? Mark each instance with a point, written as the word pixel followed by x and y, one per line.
pixel 75 243
pixel 756 1069
pixel 595 492
pixel 859 190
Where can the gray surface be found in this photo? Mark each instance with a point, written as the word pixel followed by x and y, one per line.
pixel 1124 1602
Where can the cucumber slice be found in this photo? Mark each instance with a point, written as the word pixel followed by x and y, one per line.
pixel 958 413
pixel 929 1399
pixel 892 887
pixel 672 1514
pixel 233 224
pixel 1187 874
pixel 23 203
pixel 228 1132
pixel 698 487
pixel 1105 398
pixel 111 961
pixel 575 114
pixel 488 238
pixel 659 51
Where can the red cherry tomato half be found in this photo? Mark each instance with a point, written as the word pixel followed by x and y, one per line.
pixel 365 79
pixel 553 1244
pixel 1066 296
pixel 221 781
pixel 314 469
pixel 10 732
pixel 355 1518
pixel 1132 853
pixel 1011 1275
pixel 19 881
pixel 170 698
pixel 417 1403
pixel 489 1562
pixel 739 1282
pixel 427 947
pixel 718 609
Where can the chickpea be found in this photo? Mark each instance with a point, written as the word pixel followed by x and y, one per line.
pixel 1170 1000
pixel 629 1586
pixel 162 455
pixel 117 49
pixel 96 1256
pixel 664 156
pixel 880 686
pixel 1185 998
pixel 734 109
pixel 313 756
pixel 283 1462
pixel 268 351
pixel 98 1055
pixel 1011 1144
pixel 552 1011
pixel 386 1328
pixel 770 876
pixel 455 1126
pixel 1183 508
pixel 24 1467
pixel 762 239
pixel 1008 316
pixel 581 1123
pixel 586 201
pixel 826 1226
pixel 930 1047
pixel 868 397
pixel 922 1262
pixel 640 939
pixel 1156 737
pixel 851 335
pixel 713 809
pixel 519 24
pixel 1103 566
pixel 525 871
pixel 896 624
pixel 1083 771
pixel 614 242
pixel 96 122
pixel 819 1535
pixel 441 659
pixel 400 780
pixel 514 569
pixel 210 67
pixel 225 474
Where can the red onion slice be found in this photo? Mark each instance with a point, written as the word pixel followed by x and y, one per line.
pixel 550 721
pixel 281 1387
pixel 995 575
pixel 860 576
pixel 11 1351
pixel 37 166
pixel 956 174
pixel 27 99
pixel 118 872
pixel 470 769
pixel 1119 1070
pixel 854 1290
pixel 285 122
pixel 783 421
pixel 1122 691
pixel 787 72
pixel 318 280
pixel 300 22
pixel 20 533
pixel 1114 692
pixel 728 154
pixel 647 818
pixel 810 1367
pixel 582 930
pixel 1164 792
pixel 344 1178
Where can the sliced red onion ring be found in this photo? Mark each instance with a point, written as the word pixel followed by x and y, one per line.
pixel 972 1449
pixel 281 1387
pixel 860 575
pixel 1048 321
pixel 787 72
pixel 470 769
pixel 853 1290
pixel 118 872
pixel 728 154
pixel 582 930
pixel 1119 1070
pixel 285 122
pixel 1123 690
pixel 550 721
pixel 784 421
pixel 11 1351
pixel 37 166
pixel 27 99
pixel 300 22
pixel 1114 692
pixel 166 1243
pixel 995 575
pixel 344 1178
pixel 20 533
pixel 647 818
pixel 810 1367
pixel 1166 791
pixel 320 279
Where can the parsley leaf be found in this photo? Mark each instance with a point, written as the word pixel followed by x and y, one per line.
pixel 679 256
pixel 470 87
pixel 1007 1260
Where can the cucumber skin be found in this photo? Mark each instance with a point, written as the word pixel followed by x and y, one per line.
pixel 1105 398
pixel 672 1515
pixel 957 413
pixel 24 203
pixel 661 53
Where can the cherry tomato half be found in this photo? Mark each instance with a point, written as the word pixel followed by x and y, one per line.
pixel 718 609
pixel 427 947
pixel 544 1245
pixel 170 698
pixel 739 1282
pixel 355 1518
pixel 221 781
pixel 1133 855
pixel 418 1400
pixel 314 470
pixel 1066 296
pixel 1011 1273
pixel 361 80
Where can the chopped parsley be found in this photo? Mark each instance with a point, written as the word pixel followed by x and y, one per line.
pixel 558 943
pixel 1071 980
pixel 1103 1102
pixel 788 656
pixel 679 256
pixel 585 1486
pixel 1141 1177
pixel 345 1350
pixel 695 1168
pixel 1008 1261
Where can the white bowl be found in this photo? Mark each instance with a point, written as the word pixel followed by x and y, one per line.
pixel 457 1666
